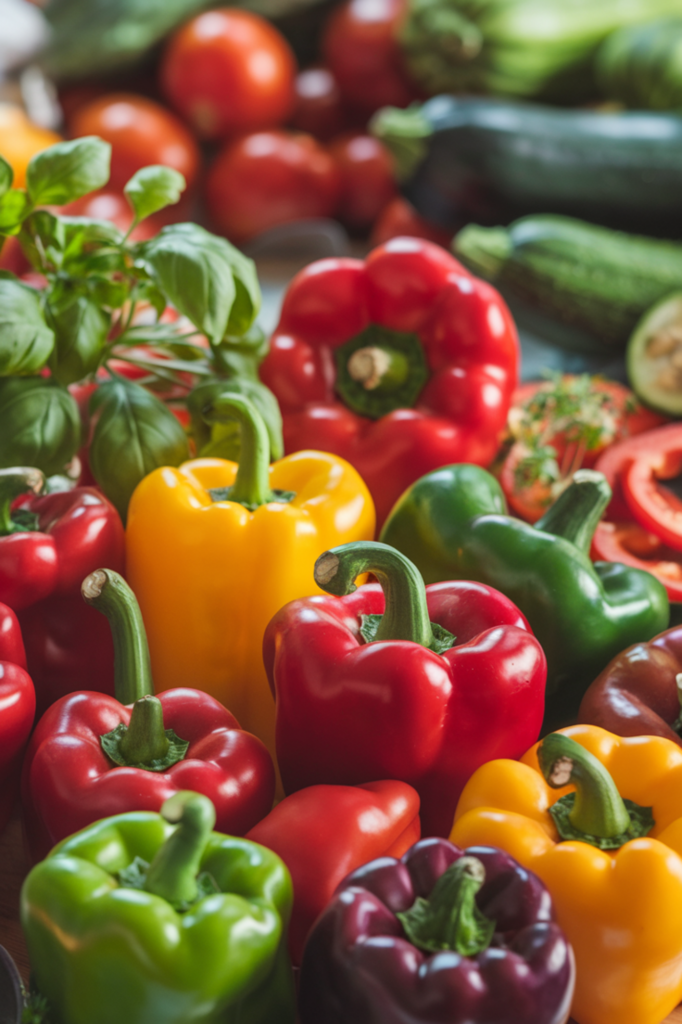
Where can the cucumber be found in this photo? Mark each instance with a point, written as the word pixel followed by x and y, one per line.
pixel 641 66
pixel 493 161
pixel 597 280
pixel 654 357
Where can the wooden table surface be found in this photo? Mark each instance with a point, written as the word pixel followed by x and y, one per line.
pixel 13 868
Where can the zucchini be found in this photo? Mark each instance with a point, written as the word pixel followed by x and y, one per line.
pixel 524 48
pixel 641 66
pixel 492 161
pixel 654 357
pixel 588 277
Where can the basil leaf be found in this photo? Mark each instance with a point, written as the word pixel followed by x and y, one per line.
pixel 25 339
pixel 68 170
pixel 222 440
pixel 152 188
pixel 13 207
pixel 42 239
pixel 81 330
pixel 82 233
pixel 241 356
pixel 39 424
pixel 6 176
pixel 134 434
pixel 104 292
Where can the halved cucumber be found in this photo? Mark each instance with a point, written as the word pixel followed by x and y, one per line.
pixel 654 357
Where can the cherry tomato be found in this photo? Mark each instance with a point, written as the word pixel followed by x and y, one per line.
pixel 319 109
pixel 270 178
pixel 399 218
pixel 367 181
pixel 361 48
pixel 229 71
pixel 21 139
pixel 141 132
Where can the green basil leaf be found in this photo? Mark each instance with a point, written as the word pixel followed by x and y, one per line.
pixel 134 434
pixel 241 356
pixel 146 291
pixel 13 208
pixel 39 424
pixel 153 188
pixel 42 239
pixel 81 331
pixel 86 233
pixel 222 440
pixel 6 176
pixel 68 170
pixel 104 292
pixel 25 339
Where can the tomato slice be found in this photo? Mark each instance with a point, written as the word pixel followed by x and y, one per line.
pixel 629 543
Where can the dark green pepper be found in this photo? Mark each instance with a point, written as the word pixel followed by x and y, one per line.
pixel 453 524
pixel 148 917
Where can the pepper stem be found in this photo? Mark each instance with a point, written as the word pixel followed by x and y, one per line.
pixel 378 368
pixel 252 485
pixel 405 133
pixel 145 740
pixel 172 874
pixel 450 919
pixel 109 593
pixel 598 809
pixel 13 483
pixel 577 511
pixel 406 616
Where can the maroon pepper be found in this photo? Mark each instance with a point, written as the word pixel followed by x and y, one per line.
pixel 442 936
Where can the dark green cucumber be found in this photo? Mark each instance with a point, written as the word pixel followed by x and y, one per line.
pixel 588 277
pixel 654 357
pixel 641 66
pixel 492 161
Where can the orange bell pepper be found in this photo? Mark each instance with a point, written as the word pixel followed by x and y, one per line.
pixel 215 548
pixel 620 906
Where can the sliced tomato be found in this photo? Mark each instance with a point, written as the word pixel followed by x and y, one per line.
pixel 630 544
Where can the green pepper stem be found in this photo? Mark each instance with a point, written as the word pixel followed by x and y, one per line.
pixel 252 485
pixel 406 616
pixel 379 368
pixel 173 873
pixel 599 809
pixel 405 133
pixel 109 593
pixel 13 483
pixel 577 511
pixel 145 738
pixel 450 918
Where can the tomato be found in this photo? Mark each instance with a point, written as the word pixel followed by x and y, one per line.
pixel 141 132
pixel 21 139
pixel 319 110
pixel 361 48
pixel 229 71
pixel 270 178
pixel 630 544
pixel 367 181
pixel 399 218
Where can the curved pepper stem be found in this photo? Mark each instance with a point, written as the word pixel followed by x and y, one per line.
pixel 13 483
pixel 252 485
pixel 577 511
pixel 172 874
pixel 450 919
pixel 406 616
pixel 109 593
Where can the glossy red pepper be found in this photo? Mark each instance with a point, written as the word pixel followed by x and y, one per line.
pixel 399 364
pixel 324 832
pixel 91 755
pixel 17 709
pixel 419 684
pixel 48 544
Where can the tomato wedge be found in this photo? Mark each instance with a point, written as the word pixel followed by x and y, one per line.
pixel 629 543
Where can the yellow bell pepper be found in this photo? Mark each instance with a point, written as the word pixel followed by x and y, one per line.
pixel 214 549
pixel 620 906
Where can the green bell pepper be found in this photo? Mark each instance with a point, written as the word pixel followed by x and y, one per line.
pixel 137 920
pixel 453 524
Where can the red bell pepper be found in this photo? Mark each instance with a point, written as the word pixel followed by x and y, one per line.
pixel 419 684
pixel 48 544
pixel 92 756
pixel 324 832
pixel 17 709
pixel 631 544
pixel 400 364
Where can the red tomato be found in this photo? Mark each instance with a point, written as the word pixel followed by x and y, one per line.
pixel 361 48
pixel 320 109
pixel 399 218
pixel 367 181
pixel 229 71
pixel 270 178
pixel 141 132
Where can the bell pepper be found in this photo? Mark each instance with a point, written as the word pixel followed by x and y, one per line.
pixel 599 819
pixel 453 524
pixel 639 692
pixel 323 832
pixel 442 935
pixel 147 917
pixel 215 548
pixel 398 681
pixel 92 755
pixel 17 709
pixel 48 544
pixel 399 364
pixel 629 543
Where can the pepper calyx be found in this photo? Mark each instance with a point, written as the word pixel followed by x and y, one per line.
pixel 13 483
pixel 443 639
pixel 144 743
pixel 173 873
pixel 380 370
pixel 225 494
pixel 641 823
pixel 134 876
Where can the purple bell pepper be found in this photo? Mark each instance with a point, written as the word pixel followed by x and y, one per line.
pixel 442 935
